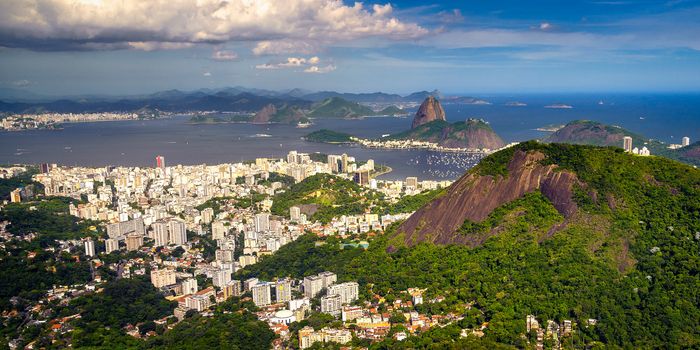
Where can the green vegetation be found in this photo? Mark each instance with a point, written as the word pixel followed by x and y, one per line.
pixel 289 114
pixel 432 131
pixel 286 180
pixel 495 164
pixel 330 195
pixel 22 180
pixel 588 132
pixel 440 131
pixel 136 302
pixel 532 208
pixel 336 107
pixel 233 326
pixel 122 302
pixel 393 111
pixel 218 202
pixel 629 257
pixel 409 204
pixel 328 136
pixel 28 272
pixel 48 218
pixel 302 258
pixel 319 157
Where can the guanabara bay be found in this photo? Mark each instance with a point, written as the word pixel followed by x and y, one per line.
pixel 349 175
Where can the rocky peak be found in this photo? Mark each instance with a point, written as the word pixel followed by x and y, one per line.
pixel 265 114
pixel 475 196
pixel 430 110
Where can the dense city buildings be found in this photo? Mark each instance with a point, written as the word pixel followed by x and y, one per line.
pixel 184 230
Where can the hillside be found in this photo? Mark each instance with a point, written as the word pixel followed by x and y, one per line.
pixel 285 113
pixel 324 196
pixel 588 132
pixel 336 107
pixel 473 134
pixel 689 154
pixel 392 111
pixel 563 232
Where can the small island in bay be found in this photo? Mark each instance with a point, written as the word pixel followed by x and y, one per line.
pixel 329 136
pixel 559 106
pixel 550 128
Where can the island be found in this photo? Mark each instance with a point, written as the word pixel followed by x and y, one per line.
pixel 329 136
pixel 429 130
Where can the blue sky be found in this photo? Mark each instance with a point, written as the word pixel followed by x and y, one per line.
pixel 132 47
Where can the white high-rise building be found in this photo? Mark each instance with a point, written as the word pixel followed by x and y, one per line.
pixel 221 278
pixel 261 294
pixel 328 278
pixel 262 222
pixel 283 290
pixel 412 182
pixel 218 230
pixel 111 244
pixel 348 291
pixel 685 141
pixel 178 232
pixel 89 247
pixel 160 233
pixel 249 283
pixel 294 213
pixel 331 304
pixel 207 215
pixel 312 285
pixel 627 143
pixel 224 255
pixel 189 286
pixel 162 277
pixel 292 157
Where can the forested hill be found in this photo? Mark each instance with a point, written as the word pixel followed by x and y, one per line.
pixel 622 249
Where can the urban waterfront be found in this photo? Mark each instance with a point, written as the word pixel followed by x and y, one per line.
pixel 126 142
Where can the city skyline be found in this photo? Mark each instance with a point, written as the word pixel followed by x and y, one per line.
pixel 105 47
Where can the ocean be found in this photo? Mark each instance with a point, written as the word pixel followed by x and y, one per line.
pixel 136 143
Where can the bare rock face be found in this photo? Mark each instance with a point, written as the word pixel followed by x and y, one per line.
pixel 474 197
pixel 264 115
pixel 428 111
pixel 472 136
pixel 588 133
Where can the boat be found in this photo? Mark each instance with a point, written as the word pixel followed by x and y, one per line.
pixel 262 135
pixel 303 125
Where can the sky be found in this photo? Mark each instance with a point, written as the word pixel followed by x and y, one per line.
pixel 122 47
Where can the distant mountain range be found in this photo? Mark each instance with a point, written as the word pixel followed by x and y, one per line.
pixel 232 99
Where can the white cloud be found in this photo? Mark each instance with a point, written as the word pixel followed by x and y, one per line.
pixel 281 47
pixel 320 70
pixel 224 55
pixel 546 26
pixel 69 24
pixel 21 83
pixel 295 62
